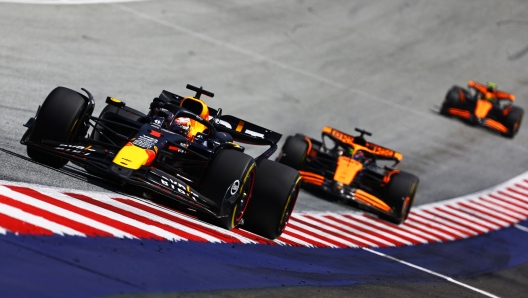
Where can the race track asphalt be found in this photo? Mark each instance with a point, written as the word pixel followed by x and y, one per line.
pixel 291 66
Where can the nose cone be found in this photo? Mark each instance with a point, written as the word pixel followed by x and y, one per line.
pixel 133 157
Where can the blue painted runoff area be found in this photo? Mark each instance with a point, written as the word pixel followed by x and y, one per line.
pixel 64 266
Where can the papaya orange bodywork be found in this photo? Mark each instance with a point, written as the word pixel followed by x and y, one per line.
pixel 312 178
pixel 388 177
pixel 460 113
pixel 347 169
pixel 372 200
pixel 483 107
pixel 496 125
pixel 310 152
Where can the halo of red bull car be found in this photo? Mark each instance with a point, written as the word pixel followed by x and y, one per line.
pixel 191 153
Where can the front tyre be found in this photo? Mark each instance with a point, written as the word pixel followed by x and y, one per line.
pixel 232 173
pixel 452 99
pixel 513 121
pixel 400 193
pixel 274 196
pixel 58 120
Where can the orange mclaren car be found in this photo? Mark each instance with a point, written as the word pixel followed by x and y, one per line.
pixel 350 169
pixel 484 105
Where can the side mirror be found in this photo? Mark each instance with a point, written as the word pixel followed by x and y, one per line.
pixel 115 102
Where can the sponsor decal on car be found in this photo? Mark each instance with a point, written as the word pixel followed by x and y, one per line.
pixel 158 121
pixel 85 150
pixel 235 186
pixel 232 192
pixel 179 187
pixel 145 142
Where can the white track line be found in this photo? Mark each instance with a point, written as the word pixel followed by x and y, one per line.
pixel 449 279
pixel 522 228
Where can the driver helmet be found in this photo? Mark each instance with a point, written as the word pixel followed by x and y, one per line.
pixel 180 125
pixel 360 156
pixel 491 86
pixel 490 97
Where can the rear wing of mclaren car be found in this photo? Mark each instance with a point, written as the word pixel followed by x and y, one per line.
pixel 242 131
pixel 379 151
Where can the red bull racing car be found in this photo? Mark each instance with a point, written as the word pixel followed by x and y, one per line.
pixel 182 149
pixel 348 169
pixel 484 105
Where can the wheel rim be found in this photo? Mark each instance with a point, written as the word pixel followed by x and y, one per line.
pixel 245 195
pixel 517 124
pixel 408 202
pixel 288 207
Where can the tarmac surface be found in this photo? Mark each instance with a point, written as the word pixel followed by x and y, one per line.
pixel 290 66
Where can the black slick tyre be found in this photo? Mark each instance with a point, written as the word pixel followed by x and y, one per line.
pixel 232 173
pixel 274 197
pixel 399 195
pixel 452 99
pixel 293 152
pixel 513 121
pixel 58 121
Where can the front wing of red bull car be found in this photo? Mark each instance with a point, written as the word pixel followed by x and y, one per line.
pixel 200 165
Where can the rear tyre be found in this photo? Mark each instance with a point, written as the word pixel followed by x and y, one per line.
pixel 400 194
pixel 113 113
pixel 231 174
pixel 274 197
pixel 513 121
pixel 293 152
pixel 57 120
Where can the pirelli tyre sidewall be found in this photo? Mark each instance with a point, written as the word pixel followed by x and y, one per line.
pixel 57 120
pixel 274 196
pixel 231 173
pixel 513 121
pixel 452 99
pixel 399 194
pixel 293 152
pixel 110 113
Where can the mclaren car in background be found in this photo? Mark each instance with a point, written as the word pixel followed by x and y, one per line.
pixel 349 169
pixel 484 105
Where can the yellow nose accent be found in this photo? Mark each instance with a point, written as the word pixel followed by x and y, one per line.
pixel 131 157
